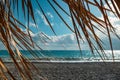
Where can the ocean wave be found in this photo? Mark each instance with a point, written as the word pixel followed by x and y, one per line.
pixel 68 56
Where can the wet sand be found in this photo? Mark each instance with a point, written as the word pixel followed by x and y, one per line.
pixel 76 71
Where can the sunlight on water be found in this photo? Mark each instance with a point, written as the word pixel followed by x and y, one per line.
pixel 67 55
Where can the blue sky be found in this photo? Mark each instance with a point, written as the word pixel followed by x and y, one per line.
pixel 65 39
pixel 57 24
pixel 59 27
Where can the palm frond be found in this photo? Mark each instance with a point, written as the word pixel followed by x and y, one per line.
pixel 83 21
pixel 12 36
pixel 85 18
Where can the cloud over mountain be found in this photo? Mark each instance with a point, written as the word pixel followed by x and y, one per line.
pixel 66 42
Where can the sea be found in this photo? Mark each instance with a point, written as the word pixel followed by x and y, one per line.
pixel 65 55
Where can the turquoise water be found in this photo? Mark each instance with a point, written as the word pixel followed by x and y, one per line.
pixel 64 54
pixel 52 53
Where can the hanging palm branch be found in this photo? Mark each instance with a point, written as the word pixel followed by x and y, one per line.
pixel 12 36
pixel 83 21
pixel 86 20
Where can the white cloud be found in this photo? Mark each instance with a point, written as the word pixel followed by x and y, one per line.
pixel 44 19
pixel 31 33
pixel 49 14
pixel 67 38
pixel 67 41
pixel 115 21
pixel 116 24
pixel 112 7
pixel 32 24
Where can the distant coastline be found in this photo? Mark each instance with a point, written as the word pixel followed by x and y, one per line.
pixel 64 56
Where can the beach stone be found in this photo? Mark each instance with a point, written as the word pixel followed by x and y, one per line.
pixel 75 71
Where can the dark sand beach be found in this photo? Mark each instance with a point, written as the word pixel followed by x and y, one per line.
pixel 76 71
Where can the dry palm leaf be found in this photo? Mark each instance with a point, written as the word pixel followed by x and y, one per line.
pixel 12 36
pixel 86 20
pixel 82 19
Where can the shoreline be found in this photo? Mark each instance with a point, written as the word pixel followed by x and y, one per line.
pixel 66 61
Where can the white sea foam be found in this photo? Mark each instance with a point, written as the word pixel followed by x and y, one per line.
pixel 74 61
pixel 86 58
